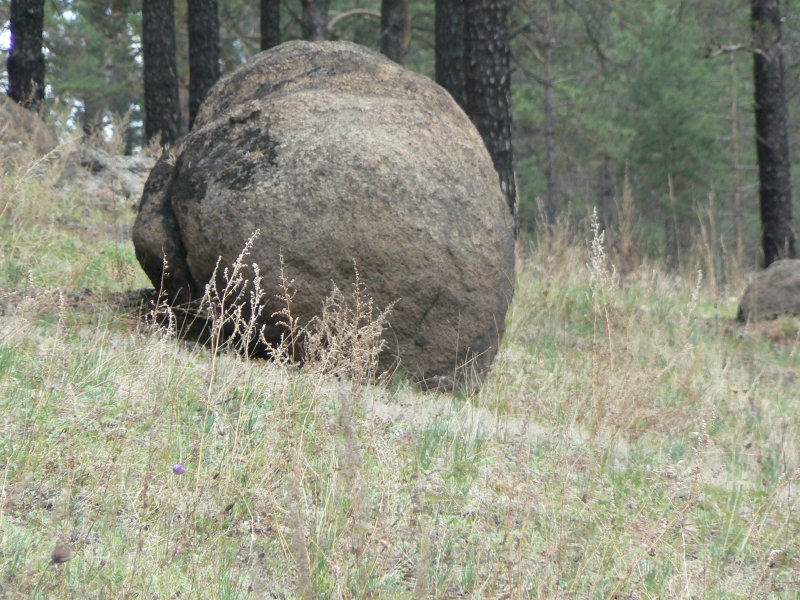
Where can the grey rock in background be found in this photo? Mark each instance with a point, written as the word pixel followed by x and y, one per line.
pixel 773 292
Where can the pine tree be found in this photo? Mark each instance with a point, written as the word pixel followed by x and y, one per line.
pixel 488 87
pixel 203 52
pixel 93 61
pixel 473 63
pixel 161 103
pixel 315 19
pixel 25 59
pixel 449 32
pixel 772 141
pixel 270 23
pixel 395 29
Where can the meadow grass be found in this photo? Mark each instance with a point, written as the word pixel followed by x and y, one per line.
pixel 632 440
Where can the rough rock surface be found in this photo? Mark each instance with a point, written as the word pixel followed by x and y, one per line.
pixel 337 154
pixel 774 292
pixel 100 174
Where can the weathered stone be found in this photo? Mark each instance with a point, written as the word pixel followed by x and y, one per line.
pixel 98 173
pixel 774 292
pixel 339 155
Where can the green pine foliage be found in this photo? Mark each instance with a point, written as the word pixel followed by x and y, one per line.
pixel 635 89
pixel 94 68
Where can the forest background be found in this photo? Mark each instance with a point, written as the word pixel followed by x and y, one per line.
pixel 658 91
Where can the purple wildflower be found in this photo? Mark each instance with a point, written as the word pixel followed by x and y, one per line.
pixel 753 409
pixel 178 469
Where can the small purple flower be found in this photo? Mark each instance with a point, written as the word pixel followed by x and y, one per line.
pixel 178 469
pixel 753 409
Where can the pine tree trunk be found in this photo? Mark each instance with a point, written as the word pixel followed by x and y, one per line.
pixel 91 115
pixel 772 144
pixel 605 185
pixel 450 32
pixel 549 120
pixel 315 19
pixel 270 24
pixel 25 59
pixel 203 52
pixel 161 102
pixel 395 29
pixel 488 87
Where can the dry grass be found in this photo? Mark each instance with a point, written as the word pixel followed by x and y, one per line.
pixel 632 441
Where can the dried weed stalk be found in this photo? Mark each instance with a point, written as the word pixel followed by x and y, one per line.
pixel 346 338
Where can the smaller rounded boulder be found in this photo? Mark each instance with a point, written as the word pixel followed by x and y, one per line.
pixel 774 292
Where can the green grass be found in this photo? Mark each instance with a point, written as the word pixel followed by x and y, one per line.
pixel 629 442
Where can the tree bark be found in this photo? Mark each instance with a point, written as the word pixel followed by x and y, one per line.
pixel 605 185
pixel 772 143
pixel 25 62
pixel 91 116
pixel 315 19
pixel 549 120
pixel 270 24
pixel 395 29
pixel 203 52
pixel 161 102
pixel 488 87
pixel 450 35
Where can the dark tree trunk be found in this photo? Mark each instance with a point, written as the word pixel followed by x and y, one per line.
pixel 449 26
pixel 488 87
pixel 270 24
pixel 315 19
pixel 91 116
pixel 604 184
pixel 203 52
pixel 549 119
pixel 25 59
pixel 772 143
pixel 161 102
pixel 395 29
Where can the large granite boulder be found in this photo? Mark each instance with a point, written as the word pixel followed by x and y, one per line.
pixel 774 292
pixel 339 155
